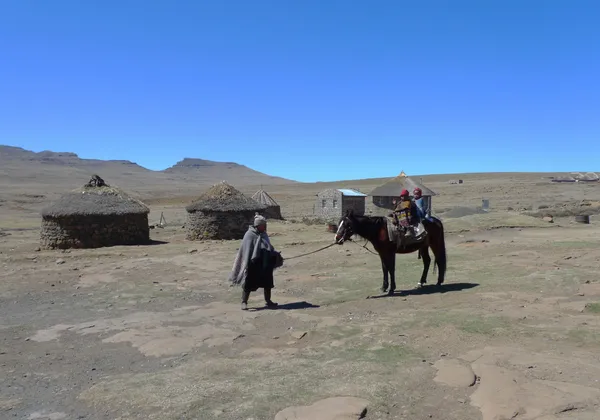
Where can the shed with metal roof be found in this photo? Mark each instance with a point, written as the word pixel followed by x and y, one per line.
pixel 332 203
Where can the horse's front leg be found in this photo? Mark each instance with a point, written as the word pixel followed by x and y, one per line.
pixel 384 267
pixel 426 263
pixel 392 268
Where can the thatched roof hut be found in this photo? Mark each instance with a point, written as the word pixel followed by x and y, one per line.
pixel 384 195
pixel 222 212
pixel 94 216
pixel 273 210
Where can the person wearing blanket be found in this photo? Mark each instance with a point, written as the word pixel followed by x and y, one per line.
pixel 254 263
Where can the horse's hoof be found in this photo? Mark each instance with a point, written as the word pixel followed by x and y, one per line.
pixel 419 285
pixel 383 289
pixel 391 292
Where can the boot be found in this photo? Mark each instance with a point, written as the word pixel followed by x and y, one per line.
pixel 270 303
pixel 245 297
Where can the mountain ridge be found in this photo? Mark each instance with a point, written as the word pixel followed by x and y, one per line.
pixel 20 162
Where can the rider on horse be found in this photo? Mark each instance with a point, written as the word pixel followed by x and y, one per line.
pixel 422 206
pixel 404 213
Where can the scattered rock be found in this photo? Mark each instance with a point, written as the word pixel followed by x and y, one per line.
pixel 192 251
pixel 298 335
pixel 60 261
pixel 336 408
pixel 548 219
pixel 453 373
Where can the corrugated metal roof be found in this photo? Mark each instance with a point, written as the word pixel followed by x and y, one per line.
pixel 351 193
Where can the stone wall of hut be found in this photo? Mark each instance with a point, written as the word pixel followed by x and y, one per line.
pixel 272 212
pixel 331 205
pixel 94 231
pixel 218 225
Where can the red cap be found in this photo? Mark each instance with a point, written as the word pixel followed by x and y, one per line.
pixel 417 191
pixel 404 193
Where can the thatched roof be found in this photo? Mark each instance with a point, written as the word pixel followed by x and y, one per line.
pixel 96 198
pixel 263 197
pixel 394 187
pixel 223 197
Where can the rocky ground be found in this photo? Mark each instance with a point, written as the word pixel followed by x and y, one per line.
pixel 155 332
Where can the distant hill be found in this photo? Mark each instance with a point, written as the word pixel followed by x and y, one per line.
pixel 58 171
pixel 207 170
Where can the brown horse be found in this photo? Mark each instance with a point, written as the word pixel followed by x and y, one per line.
pixel 374 229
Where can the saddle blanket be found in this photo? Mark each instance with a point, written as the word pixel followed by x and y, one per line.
pixel 396 235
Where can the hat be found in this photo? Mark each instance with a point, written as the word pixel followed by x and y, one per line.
pixel 259 220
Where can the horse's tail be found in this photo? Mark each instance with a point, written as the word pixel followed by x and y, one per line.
pixel 440 250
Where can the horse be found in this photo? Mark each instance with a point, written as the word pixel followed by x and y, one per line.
pixel 374 229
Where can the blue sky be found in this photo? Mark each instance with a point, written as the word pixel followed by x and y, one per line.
pixel 309 90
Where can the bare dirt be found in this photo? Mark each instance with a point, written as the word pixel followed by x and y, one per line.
pixel 155 332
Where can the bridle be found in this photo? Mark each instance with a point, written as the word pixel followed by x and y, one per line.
pixel 345 227
pixel 347 236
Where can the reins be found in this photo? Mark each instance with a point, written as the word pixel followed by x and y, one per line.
pixel 365 247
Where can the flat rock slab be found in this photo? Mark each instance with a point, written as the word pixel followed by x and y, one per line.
pixel 454 373
pixel 336 408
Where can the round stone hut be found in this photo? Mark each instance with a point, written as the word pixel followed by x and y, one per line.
pixel 94 216
pixel 273 210
pixel 222 212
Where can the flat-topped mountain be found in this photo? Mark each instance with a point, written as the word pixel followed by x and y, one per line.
pixel 205 170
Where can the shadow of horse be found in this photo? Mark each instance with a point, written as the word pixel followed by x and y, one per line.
pixel 156 242
pixel 288 306
pixel 429 290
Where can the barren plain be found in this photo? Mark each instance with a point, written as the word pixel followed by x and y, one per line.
pixel 155 332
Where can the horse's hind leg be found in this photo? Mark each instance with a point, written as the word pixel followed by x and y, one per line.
pixel 424 252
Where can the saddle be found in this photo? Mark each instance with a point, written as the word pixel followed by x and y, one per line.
pixel 396 234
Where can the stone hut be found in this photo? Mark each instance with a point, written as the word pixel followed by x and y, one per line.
pixel 273 210
pixel 222 212
pixel 384 195
pixel 333 203
pixel 94 216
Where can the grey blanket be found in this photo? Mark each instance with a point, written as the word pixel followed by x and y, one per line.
pixel 255 245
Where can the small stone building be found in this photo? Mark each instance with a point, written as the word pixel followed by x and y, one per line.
pixel 94 216
pixel 222 212
pixel 331 204
pixel 384 195
pixel 273 210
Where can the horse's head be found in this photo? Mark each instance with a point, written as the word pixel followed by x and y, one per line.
pixel 345 231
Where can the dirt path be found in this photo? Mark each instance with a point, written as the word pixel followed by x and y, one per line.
pixel 156 333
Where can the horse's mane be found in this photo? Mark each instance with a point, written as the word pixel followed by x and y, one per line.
pixel 378 220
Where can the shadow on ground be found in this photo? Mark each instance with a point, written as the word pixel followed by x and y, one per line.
pixel 156 242
pixel 289 306
pixel 429 290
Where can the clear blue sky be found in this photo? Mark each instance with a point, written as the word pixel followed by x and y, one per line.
pixel 307 89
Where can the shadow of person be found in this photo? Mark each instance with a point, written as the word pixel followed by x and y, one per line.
pixel 288 306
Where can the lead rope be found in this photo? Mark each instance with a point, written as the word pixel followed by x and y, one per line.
pixel 312 252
